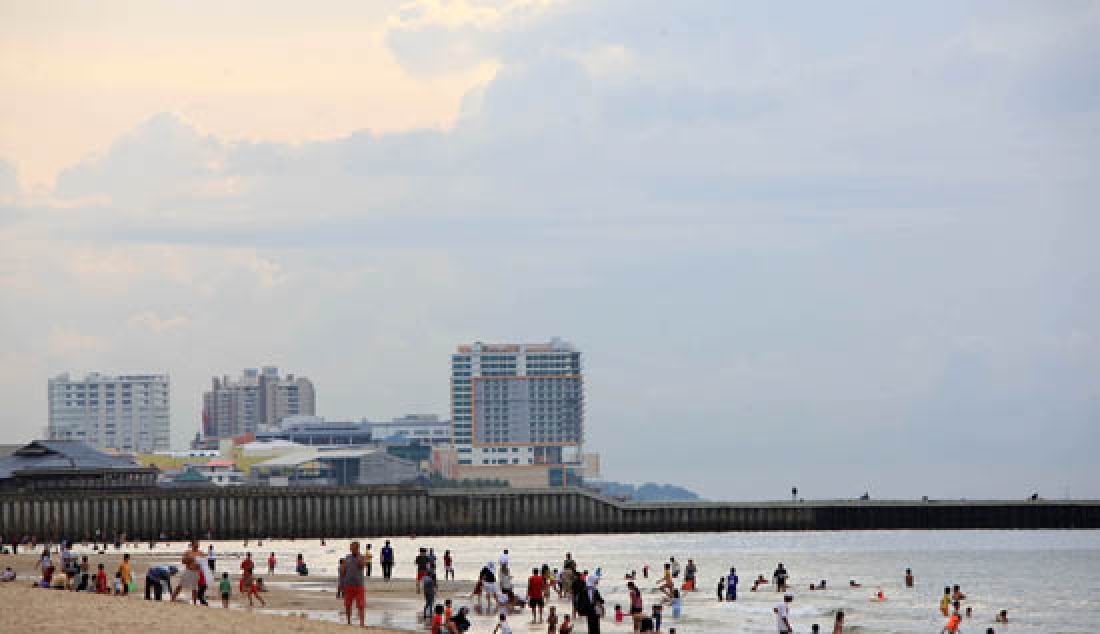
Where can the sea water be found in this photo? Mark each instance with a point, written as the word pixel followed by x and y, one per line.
pixel 1049 581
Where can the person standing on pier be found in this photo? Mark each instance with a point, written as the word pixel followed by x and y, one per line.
pixel 387 561
pixel 353 583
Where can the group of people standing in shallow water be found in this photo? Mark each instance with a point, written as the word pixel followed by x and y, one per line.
pixel 496 586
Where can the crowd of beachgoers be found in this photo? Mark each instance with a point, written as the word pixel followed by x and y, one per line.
pixel 557 596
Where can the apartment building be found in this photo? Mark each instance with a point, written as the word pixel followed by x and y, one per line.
pixel 257 400
pixel 127 412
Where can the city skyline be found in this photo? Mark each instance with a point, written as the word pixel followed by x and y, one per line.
pixel 841 247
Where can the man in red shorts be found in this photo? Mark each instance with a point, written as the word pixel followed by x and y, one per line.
pixel 352 580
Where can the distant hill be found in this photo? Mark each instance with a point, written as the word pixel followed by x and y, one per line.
pixel 648 492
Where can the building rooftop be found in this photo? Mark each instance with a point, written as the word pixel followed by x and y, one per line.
pixel 554 345
pixel 66 455
pixel 301 457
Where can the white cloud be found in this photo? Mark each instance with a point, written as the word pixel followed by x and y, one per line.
pixel 67 342
pixel 151 321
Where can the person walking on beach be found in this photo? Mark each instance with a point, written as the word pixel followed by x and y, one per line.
pixel 353 582
pixel 535 593
pixel 421 561
pixel 589 605
pixel 271 564
pixel 731 585
pixel 780 578
pixel 369 556
pixel 838 624
pixel 448 566
pixel 908 577
pixel 488 582
pixel 247 566
pixel 387 561
pixel 783 614
pixel 636 604
pixel 224 588
pixel 690 572
pixel 428 585
pixel 125 573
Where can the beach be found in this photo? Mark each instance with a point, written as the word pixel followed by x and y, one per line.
pixel 1045 579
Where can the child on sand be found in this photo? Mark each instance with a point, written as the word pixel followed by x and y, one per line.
pixel 254 591
pixel 224 588
pixel 566 625
pixel 101 580
pixel 502 625
pixel 618 613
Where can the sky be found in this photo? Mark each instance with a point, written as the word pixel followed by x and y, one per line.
pixel 846 246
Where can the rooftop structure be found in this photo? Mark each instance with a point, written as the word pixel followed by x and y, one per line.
pixel 44 465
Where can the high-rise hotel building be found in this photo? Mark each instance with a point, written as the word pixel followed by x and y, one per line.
pixel 517 412
pixel 128 412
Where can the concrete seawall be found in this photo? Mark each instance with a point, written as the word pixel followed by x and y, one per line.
pixel 236 513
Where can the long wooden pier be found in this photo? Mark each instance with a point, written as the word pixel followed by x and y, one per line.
pixel 240 512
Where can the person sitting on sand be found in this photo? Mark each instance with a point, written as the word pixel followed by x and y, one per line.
pixel 7 575
pixel 300 566
pixel 852 584
pixel 759 581
pixel 879 596
pixel 1002 616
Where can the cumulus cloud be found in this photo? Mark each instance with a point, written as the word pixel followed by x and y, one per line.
pixel 861 228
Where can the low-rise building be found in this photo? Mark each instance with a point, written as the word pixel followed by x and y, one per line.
pixel 47 465
pixel 340 467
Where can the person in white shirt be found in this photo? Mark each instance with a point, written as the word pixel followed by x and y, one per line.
pixel 783 614
pixel 502 626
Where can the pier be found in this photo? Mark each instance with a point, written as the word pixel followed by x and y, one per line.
pixel 247 512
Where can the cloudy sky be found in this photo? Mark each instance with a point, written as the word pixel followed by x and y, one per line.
pixel 849 246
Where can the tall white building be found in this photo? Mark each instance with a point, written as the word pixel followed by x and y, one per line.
pixel 128 412
pixel 517 412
